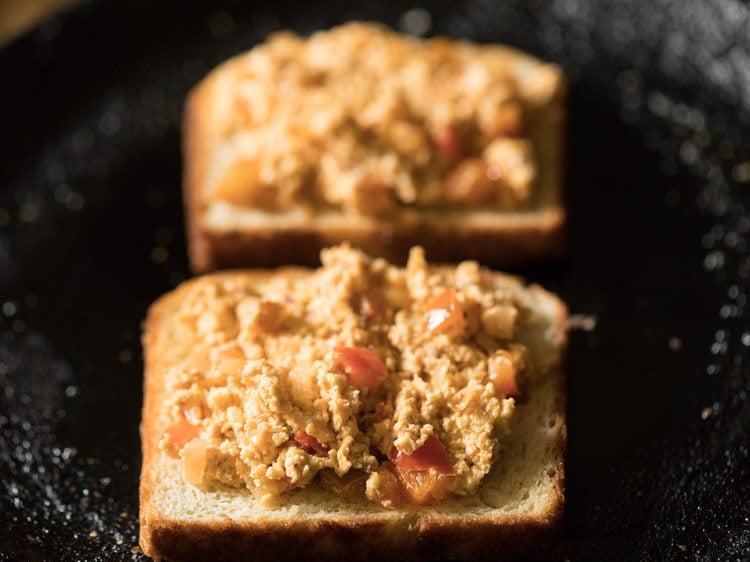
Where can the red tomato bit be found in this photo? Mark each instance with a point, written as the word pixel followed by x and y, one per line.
pixel 445 313
pixel 362 367
pixel 431 455
pixel 448 142
pixel 423 486
pixel 310 444
pixel 503 374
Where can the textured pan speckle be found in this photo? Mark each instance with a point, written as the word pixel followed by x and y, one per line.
pixel 91 232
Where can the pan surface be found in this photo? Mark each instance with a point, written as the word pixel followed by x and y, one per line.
pixel 91 232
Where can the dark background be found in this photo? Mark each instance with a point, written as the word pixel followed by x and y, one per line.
pixel 91 233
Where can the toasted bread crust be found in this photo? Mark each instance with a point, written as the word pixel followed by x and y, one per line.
pixel 500 243
pixel 227 540
pixel 544 236
pixel 399 534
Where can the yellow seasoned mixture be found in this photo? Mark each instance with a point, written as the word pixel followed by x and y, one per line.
pixel 370 122
pixel 396 383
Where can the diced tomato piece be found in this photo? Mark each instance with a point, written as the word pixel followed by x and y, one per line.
pixel 431 455
pixel 311 445
pixel 194 461
pixel 445 313
pixel 503 374
pixel 181 433
pixel 448 142
pixel 423 486
pixel 362 367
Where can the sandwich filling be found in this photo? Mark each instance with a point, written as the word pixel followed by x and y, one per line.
pixel 367 122
pixel 395 384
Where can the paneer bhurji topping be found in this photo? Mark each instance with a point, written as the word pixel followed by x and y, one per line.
pixel 396 384
pixel 370 122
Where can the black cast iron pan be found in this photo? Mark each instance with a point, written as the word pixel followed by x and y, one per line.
pixel 91 232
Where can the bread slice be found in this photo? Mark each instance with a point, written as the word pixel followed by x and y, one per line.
pixel 516 513
pixel 230 235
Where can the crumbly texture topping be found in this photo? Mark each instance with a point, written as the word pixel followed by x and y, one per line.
pixel 265 392
pixel 367 121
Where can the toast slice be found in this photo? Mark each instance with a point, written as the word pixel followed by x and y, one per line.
pixel 516 512
pixel 278 164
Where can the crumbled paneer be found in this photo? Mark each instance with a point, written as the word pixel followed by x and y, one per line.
pixel 354 369
pixel 370 122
